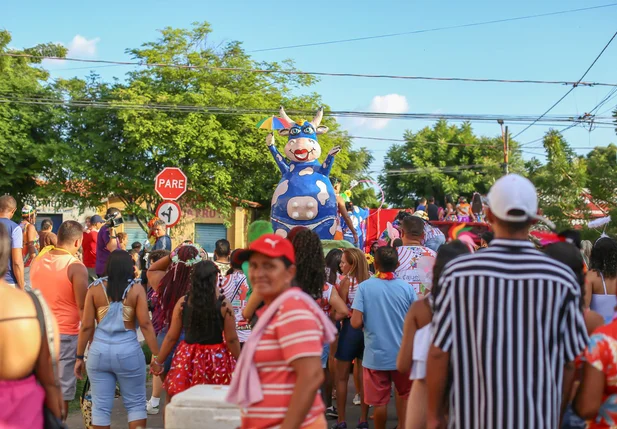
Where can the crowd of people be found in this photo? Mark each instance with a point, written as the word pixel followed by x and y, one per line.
pixel 454 211
pixel 504 334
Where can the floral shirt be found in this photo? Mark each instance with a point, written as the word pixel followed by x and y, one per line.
pixel 416 267
pixel 601 353
pixel 235 288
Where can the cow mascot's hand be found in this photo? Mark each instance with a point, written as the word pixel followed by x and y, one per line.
pixel 334 151
pixel 270 139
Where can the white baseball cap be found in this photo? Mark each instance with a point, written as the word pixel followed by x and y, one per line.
pixel 514 193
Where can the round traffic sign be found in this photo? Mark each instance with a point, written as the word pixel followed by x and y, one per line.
pixel 169 212
pixel 171 183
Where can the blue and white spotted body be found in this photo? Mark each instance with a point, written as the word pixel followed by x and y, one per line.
pixel 304 195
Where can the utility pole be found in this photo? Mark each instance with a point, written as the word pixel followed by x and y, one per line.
pixel 506 149
pixel 505 137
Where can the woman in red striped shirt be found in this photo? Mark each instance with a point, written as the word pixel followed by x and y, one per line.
pixel 279 373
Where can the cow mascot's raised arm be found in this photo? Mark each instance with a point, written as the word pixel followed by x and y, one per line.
pixel 304 196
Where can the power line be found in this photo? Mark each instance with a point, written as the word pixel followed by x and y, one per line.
pixel 611 94
pixel 119 105
pixel 309 73
pixel 571 89
pixel 445 169
pixel 429 30
pixel 419 141
pixel 533 153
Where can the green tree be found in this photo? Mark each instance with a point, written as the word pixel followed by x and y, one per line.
pixel 602 181
pixel 120 150
pixel 602 174
pixel 444 160
pixel 560 182
pixel 29 133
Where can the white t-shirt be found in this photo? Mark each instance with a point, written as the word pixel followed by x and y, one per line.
pixel 416 267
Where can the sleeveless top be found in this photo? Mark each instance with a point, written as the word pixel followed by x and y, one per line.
pixel 353 288
pixel 605 304
pixel 235 288
pixel 27 259
pixel 49 274
pixel 421 345
pixel 324 301
pixel 194 336
pixel 128 312
pixel 111 318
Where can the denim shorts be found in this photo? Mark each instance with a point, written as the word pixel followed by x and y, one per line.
pixel 350 343
pixel 159 339
pixel 325 353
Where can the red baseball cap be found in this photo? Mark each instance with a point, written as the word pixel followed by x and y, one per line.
pixel 271 245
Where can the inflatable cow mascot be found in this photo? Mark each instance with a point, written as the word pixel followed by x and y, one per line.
pixel 304 196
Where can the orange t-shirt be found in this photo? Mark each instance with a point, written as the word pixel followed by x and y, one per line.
pixel 293 333
pixel 49 274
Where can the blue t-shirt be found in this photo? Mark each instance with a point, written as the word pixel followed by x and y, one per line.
pixel 163 243
pixel 384 304
pixel 17 242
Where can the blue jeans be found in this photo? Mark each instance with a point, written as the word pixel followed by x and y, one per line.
pixel 125 363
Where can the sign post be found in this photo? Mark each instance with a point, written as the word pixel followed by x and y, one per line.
pixel 171 183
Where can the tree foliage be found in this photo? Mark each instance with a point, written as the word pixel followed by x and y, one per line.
pixel 602 174
pixel 444 160
pixel 120 150
pixel 561 181
pixel 29 133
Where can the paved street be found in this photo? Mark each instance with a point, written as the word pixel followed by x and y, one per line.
pixel 118 417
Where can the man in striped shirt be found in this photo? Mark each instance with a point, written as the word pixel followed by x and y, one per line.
pixel 508 320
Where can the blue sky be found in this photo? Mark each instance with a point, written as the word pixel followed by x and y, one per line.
pixel 557 47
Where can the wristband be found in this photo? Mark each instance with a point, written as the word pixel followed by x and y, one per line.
pixel 79 357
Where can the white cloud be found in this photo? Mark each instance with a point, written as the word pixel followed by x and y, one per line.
pixel 391 103
pixel 82 47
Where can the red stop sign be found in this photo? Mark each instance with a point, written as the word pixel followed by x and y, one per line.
pixel 170 183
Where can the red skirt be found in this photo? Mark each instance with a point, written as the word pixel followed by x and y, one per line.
pixel 199 364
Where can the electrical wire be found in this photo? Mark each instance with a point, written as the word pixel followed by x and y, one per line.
pixel 308 73
pixel 609 96
pixel 119 105
pixel 419 141
pixel 432 169
pixel 429 30
pixel 571 89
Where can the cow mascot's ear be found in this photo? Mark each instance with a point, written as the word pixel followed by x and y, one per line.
pixel 284 132
pixel 322 129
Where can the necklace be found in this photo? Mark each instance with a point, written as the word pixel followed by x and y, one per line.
pixel 385 276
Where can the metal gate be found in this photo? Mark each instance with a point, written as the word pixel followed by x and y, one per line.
pixel 134 232
pixel 207 234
